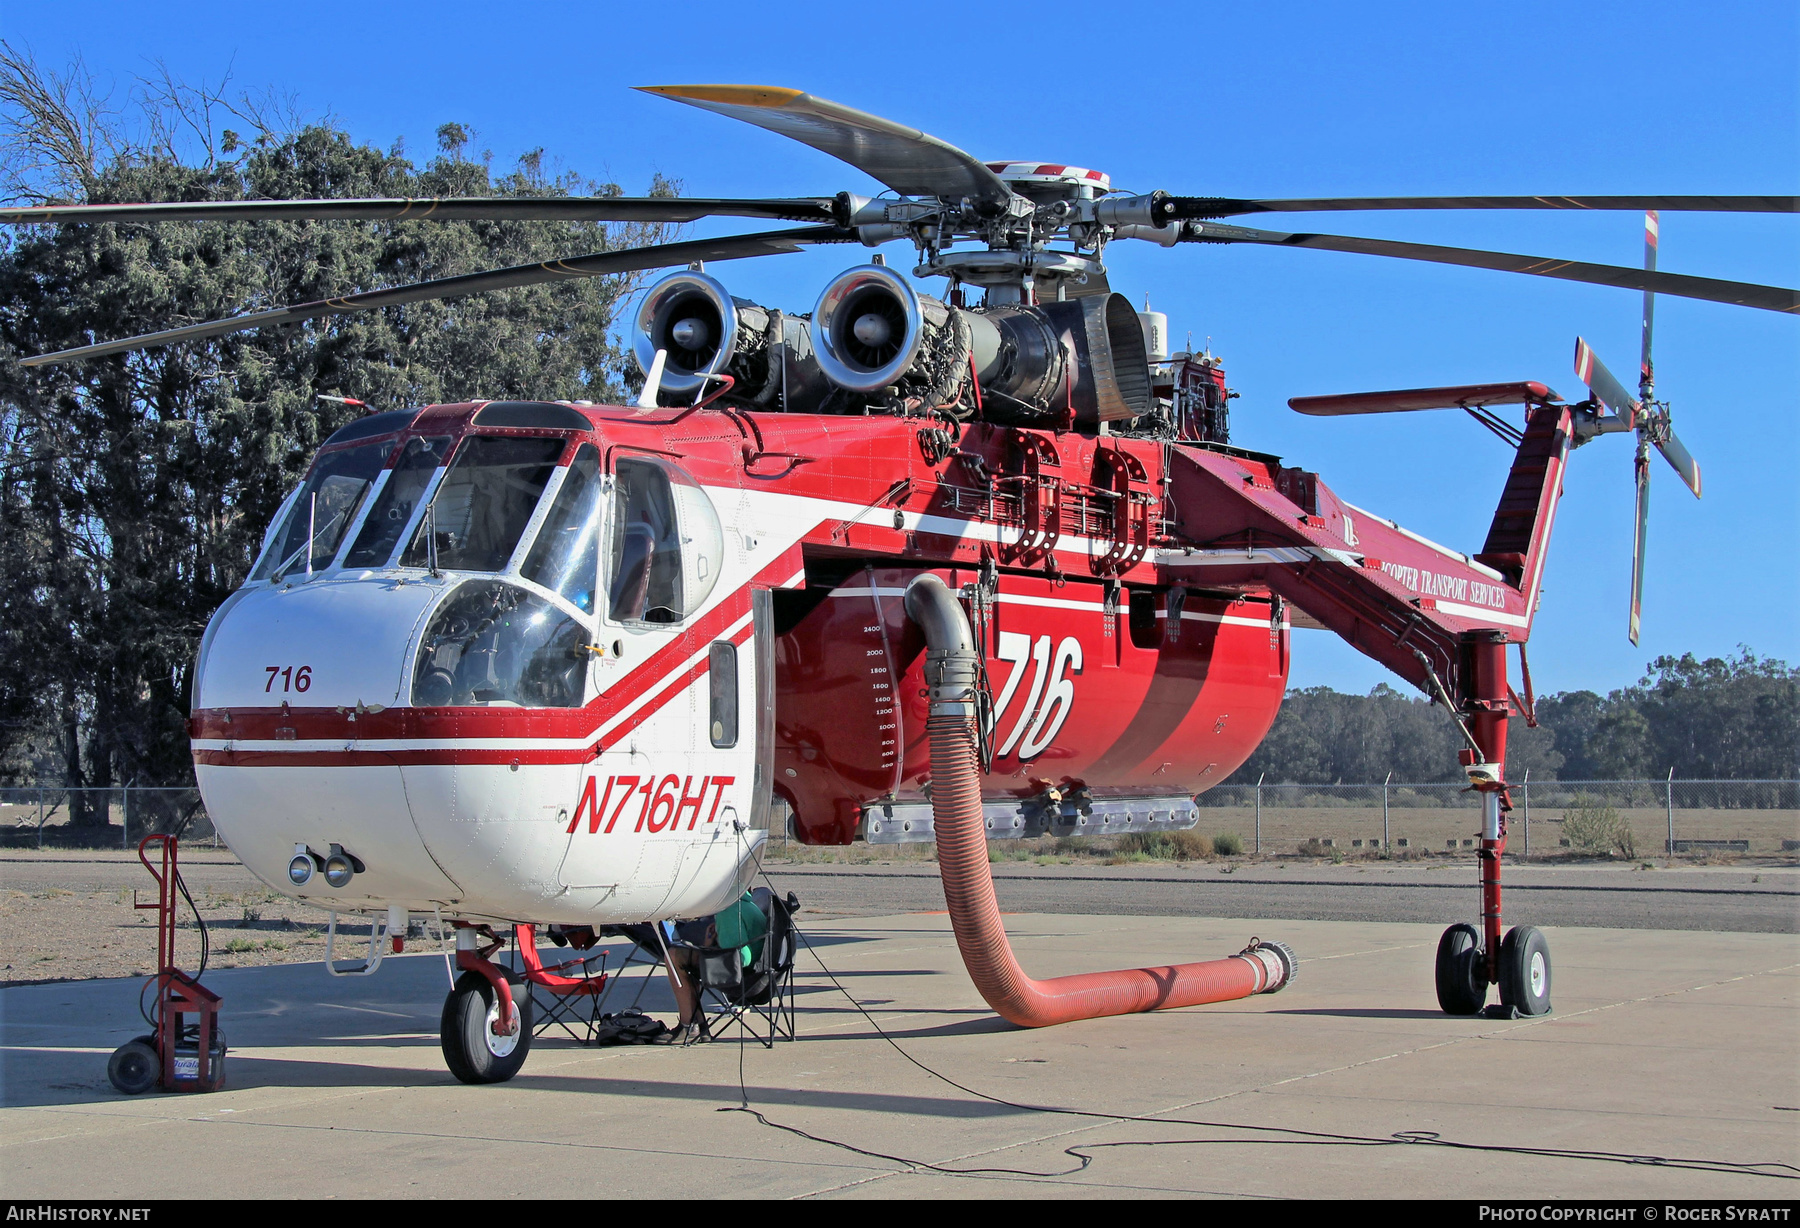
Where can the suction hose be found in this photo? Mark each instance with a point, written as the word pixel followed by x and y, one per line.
pixel 950 673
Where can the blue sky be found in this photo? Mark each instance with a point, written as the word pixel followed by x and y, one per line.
pixel 1254 100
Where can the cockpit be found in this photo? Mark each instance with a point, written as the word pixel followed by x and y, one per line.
pixel 513 511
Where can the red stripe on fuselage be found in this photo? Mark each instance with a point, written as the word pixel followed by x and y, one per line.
pixel 661 670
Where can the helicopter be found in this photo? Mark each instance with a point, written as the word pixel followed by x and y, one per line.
pixel 976 565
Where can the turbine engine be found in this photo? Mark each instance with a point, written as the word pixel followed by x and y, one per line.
pixel 873 343
pixel 874 336
pixel 705 333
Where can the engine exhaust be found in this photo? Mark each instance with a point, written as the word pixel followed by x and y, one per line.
pixel 950 673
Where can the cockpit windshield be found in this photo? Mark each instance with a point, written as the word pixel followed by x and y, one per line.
pixel 483 504
pixel 565 558
pixel 323 510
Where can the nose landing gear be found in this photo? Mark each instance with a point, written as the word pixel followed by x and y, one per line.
pixel 478 1047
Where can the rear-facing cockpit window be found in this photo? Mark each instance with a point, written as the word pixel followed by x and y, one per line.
pixel 484 503
pixel 565 558
pixel 494 644
pixel 394 506
pixel 323 510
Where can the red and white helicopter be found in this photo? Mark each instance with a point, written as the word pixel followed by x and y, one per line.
pixel 979 565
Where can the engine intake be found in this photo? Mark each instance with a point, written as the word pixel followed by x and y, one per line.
pixel 866 328
pixel 872 333
pixel 693 318
pixel 704 331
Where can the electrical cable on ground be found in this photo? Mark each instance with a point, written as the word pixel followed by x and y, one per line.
pixel 1296 1137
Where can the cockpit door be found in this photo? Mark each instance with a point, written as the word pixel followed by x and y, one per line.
pixel 671 813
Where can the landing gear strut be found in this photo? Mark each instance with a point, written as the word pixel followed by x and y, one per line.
pixel 1468 960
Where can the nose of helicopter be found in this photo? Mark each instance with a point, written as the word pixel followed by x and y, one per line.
pixel 323 644
pixel 302 651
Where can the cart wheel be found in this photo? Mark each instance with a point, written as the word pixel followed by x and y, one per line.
pixel 1525 971
pixel 134 1067
pixel 472 1049
pixel 1461 980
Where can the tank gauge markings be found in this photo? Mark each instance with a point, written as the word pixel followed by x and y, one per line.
pixel 665 800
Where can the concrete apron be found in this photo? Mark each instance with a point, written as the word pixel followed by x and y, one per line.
pixel 1677 1044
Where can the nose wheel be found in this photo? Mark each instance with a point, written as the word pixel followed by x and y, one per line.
pixel 476 1048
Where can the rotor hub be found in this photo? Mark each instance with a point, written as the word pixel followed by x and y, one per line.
pixel 1043 181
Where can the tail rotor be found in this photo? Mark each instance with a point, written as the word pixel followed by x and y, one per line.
pixel 1646 415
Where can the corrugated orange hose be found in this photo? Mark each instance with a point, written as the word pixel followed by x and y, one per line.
pixel 969 884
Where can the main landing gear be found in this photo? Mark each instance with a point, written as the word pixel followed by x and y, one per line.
pixel 1523 972
pixel 1471 959
pixel 1519 963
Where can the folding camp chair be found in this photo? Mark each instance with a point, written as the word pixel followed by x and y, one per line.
pixel 565 995
pixel 757 997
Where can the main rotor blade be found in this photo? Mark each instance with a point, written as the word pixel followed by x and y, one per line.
pixel 1639 540
pixel 1603 383
pixel 734 247
pixel 911 162
pixel 1737 293
pixel 451 209
pixel 1202 207
pixel 1680 459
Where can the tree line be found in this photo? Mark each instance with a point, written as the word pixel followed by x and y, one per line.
pixel 135 489
pixel 1735 718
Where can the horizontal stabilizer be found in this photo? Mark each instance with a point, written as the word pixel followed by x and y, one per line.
pixel 1467 396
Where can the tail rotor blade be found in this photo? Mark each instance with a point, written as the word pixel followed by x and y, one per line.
pixel 1637 549
pixel 1603 383
pixel 1680 460
pixel 1647 372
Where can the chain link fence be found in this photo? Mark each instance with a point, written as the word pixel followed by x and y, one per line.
pixel 1553 817
pixel 1626 818
pixel 52 816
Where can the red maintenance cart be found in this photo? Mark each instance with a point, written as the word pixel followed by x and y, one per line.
pixel 186 1051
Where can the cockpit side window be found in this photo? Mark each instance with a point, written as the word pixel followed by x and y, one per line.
pixel 646 547
pixel 484 503
pixel 319 517
pixel 394 506
pixel 565 558
pixel 667 546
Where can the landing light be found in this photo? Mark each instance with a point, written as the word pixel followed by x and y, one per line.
pixel 339 870
pixel 300 869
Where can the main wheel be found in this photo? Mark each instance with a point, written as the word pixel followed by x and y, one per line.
pixel 134 1066
pixel 1525 971
pixel 473 1050
pixel 1461 979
